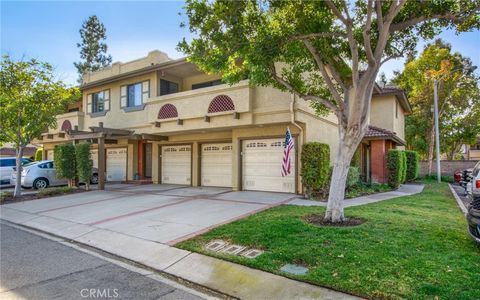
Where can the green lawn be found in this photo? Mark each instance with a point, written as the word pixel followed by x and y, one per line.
pixel 412 247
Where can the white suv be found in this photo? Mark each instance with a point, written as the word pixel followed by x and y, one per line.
pixel 6 168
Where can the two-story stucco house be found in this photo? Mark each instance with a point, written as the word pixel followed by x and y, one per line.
pixel 163 120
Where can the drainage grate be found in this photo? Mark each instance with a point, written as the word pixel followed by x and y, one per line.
pixel 216 245
pixel 252 253
pixel 233 249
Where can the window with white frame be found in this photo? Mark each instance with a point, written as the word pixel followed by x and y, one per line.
pixel 134 95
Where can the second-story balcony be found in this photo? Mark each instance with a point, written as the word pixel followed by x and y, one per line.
pixel 207 103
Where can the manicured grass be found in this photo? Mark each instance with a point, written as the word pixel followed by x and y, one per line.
pixel 412 247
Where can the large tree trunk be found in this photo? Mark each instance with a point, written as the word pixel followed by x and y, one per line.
pixel 18 180
pixel 346 149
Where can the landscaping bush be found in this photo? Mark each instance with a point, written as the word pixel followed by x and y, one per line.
pixel 353 176
pixel 55 191
pixel 396 165
pixel 39 154
pixel 403 174
pixel 413 165
pixel 64 162
pixel 315 169
pixel 4 195
pixel 84 163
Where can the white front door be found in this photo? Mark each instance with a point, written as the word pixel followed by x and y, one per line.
pixel 117 164
pixel 177 164
pixel 262 165
pixel 216 165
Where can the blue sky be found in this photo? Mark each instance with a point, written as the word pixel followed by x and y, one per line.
pixel 49 31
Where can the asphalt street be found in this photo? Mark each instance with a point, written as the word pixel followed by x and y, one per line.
pixel 34 267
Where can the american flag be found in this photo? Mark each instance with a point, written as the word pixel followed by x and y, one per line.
pixel 289 144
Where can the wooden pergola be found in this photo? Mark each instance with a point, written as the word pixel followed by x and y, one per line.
pixel 101 135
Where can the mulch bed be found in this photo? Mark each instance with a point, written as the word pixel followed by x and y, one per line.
pixel 318 220
pixel 29 197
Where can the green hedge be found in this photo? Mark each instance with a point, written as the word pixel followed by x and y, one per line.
pixel 315 169
pixel 353 177
pixel 413 165
pixel 64 162
pixel 396 166
pixel 84 163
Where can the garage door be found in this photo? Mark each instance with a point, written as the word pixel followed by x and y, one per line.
pixel 50 154
pixel 216 165
pixel 117 164
pixel 176 164
pixel 262 164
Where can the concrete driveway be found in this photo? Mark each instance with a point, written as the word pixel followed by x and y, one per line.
pixel 166 214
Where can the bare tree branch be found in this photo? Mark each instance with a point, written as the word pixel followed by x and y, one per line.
pixel 317 35
pixel 378 8
pixel 336 12
pixel 289 87
pixel 366 34
pixel 325 75
pixel 447 16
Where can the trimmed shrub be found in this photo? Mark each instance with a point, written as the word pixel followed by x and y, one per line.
pixel 413 165
pixel 64 162
pixel 39 154
pixel 54 191
pixel 396 164
pixel 353 177
pixel 315 169
pixel 84 163
pixel 403 157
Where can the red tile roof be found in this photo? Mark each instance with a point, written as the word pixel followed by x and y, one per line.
pixel 374 132
pixel 28 151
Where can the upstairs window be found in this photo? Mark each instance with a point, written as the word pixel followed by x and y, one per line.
pixel 206 84
pixel 134 95
pixel 168 87
pixel 98 102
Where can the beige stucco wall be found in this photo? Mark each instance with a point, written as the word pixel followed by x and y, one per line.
pixel 383 114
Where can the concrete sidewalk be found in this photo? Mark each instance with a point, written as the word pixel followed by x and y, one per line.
pixel 218 275
pixel 140 223
pixel 404 190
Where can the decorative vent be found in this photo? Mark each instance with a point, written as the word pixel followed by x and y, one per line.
pixel 168 111
pixel 221 103
pixel 211 148
pixel 66 126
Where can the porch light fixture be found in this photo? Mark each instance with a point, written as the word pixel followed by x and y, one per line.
pixel 236 115
pixel 157 124
pixel 179 122
pixel 206 119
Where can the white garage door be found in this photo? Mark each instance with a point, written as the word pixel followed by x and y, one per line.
pixel 50 154
pixel 216 164
pixel 117 164
pixel 176 164
pixel 262 165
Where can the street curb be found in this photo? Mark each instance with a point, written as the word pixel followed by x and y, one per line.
pixel 108 255
pixel 459 201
